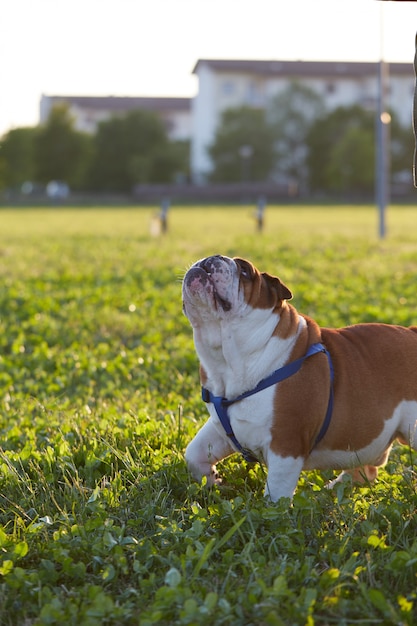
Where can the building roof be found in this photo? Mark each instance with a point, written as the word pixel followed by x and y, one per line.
pixel 126 103
pixel 324 69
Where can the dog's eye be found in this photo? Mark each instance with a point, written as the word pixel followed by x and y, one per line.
pixel 245 271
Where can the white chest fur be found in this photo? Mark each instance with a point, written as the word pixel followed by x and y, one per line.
pixel 237 353
pixel 238 371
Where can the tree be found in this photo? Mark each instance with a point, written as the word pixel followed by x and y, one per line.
pixel 132 149
pixel 291 114
pixel 61 153
pixel 341 151
pixel 243 147
pixel 351 165
pixel 16 157
pixel 181 154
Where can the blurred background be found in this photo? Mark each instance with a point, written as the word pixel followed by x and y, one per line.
pixel 199 100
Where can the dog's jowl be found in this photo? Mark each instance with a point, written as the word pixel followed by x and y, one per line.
pixel 282 390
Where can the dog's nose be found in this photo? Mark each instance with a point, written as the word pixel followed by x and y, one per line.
pixel 211 262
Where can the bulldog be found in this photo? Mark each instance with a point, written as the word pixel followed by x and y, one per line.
pixel 285 392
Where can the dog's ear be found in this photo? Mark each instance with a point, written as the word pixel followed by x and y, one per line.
pixel 281 290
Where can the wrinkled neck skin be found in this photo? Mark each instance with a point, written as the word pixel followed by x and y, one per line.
pixel 237 351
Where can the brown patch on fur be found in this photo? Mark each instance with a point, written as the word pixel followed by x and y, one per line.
pixel 288 326
pixel 299 403
pixel 366 360
pixel 367 388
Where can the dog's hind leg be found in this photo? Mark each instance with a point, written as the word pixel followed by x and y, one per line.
pixel 358 475
pixel 407 432
pixel 362 474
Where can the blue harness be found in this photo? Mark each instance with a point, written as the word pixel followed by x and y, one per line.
pixel 221 404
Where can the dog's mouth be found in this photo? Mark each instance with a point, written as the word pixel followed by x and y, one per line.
pixel 224 304
pixel 219 300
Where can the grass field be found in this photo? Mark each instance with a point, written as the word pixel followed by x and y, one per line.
pixel 100 523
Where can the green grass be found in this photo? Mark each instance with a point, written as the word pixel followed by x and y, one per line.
pixel 100 523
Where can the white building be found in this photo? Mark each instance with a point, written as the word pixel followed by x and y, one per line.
pixel 89 111
pixel 224 84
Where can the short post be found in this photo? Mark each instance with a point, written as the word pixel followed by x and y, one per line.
pixel 163 216
pixel 260 211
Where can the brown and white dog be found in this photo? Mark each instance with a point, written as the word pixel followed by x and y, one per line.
pixel 244 329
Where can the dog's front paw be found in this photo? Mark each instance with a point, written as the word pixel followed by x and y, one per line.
pixel 214 477
pixel 205 471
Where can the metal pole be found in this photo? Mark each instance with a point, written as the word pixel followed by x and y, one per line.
pixel 415 120
pixel 382 135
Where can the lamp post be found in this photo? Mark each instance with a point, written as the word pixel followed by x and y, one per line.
pixel 415 120
pixel 383 120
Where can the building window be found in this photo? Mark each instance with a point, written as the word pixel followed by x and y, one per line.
pixel 253 95
pixel 330 88
pixel 228 88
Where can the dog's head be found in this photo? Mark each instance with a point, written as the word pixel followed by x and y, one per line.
pixel 218 287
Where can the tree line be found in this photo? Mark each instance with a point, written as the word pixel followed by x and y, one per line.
pixel 124 151
pixel 295 141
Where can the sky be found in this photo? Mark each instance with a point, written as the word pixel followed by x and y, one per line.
pixel 150 47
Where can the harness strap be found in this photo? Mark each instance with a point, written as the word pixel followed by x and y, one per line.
pixel 221 404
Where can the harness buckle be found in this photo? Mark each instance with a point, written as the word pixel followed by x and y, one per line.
pixel 205 395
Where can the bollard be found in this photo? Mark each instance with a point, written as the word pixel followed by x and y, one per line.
pixel 163 216
pixel 261 206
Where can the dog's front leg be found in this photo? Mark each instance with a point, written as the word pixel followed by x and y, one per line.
pixel 206 449
pixel 283 475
